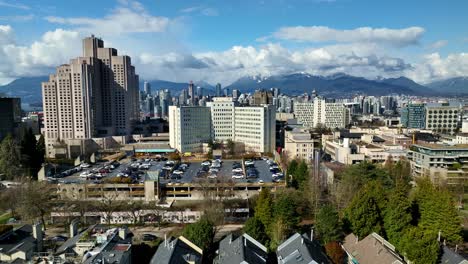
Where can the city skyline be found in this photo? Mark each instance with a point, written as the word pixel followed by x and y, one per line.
pixel 220 42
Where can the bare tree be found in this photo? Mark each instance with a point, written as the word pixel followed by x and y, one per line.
pixel 35 201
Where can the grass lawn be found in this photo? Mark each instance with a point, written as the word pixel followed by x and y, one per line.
pixel 4 218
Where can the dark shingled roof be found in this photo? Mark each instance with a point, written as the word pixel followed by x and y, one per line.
pixel 300 249
pixel 20 239
pixel 177 251
pixel 450 257
pixel 243 249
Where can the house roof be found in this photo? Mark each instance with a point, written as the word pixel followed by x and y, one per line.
pixel 451 257
pixel 243 249
pixel 372 249
pixel 300 249
pixel 20 239
pixel 177 251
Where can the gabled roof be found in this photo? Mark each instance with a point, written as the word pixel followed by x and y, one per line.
pixel 243 249
pixel 451 257
pixel 300 249
pixel 372 249
pixel 177 251
pixel 20 239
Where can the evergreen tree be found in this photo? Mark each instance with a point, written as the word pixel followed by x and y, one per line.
pixel 200 233
pixel 29 155
pixel 300 175
pixel 291 170
pixel 286 208
pixel 264 207
pixel 328 224
pixel 397 215
pixel 364 212
pixel 40 150
pixel 255 228
pixel 10 159
pixel 420 246
pixel 437 211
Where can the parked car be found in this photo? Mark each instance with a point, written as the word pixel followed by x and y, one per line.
pixel 178 172
pixel 86 174
pixel 85 165
pixel 249 162
pixel 238 176
pixel 149 237
pixel 237 170
pixel 206 163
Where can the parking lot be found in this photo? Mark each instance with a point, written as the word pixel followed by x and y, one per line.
pixel 191 174
pixel 258 171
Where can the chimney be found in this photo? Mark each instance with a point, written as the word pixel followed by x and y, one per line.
pixel 302 241
pixel 73 228
pixel 165 240
pixel 357 239
pixel 37 234
pixel 312 234
pixel 456 248
pixel 123 233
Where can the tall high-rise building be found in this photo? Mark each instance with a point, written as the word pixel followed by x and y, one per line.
pixel 319 111
pixel 199 92
pixel 235 94
pixel 94 95
pixel 414 116
pixel 262 97
pixel 147 88
pixel 165 101
pixel 443 118
pixel 218 90
pixel 191 93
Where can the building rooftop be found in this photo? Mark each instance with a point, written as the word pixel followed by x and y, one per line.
pixel 300 249
pixel 442 146
pixel 372 249
pixel 20 239
pixel 177 251
pixel 243 249
pixel 451 257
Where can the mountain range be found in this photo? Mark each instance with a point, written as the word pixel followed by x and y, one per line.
pixel 337 85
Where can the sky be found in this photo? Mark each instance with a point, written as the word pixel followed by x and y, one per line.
pixel 221 41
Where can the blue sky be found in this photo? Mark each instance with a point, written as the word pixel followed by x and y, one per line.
pixel 224 40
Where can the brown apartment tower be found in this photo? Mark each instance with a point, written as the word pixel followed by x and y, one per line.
pixel 95 95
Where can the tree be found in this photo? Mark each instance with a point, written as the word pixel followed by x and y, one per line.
pixel 41 150
pixel 335 252
pixel 292 167
pixel 300 175
pixel 255 228
pixel 278 233
pixel 437 211
pixel 200 233
pixel 364 213
pixel 231 146
pixel 10 159
pixel 354 177
pixel 286 208
pixel 397 215
pixel 328 224
pixel 420 246
pixel 29 155
pixel 264 207
pixel 9 200
pixel 34 201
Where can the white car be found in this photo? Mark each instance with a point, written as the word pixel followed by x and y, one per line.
pixel 85 165
pixel 121 174
pixel 86 174
pixel 249 162
pixel 178 172
pixel 98 175
pixel 238 176
pixel 170 162
pixel 214 170
pixel 276 175
pixel 206 163
pixel 238 170
pixel 216 165
pixel 212 176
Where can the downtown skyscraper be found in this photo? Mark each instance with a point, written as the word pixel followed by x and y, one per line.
pixel 95 95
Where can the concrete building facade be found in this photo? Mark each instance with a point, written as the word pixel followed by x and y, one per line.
pixel 319 111
pixel 94 95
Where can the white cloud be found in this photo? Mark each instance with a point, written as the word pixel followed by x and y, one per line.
pixel 54 48
pixel 206 11
pixel 14 5
pixel 395 37
pixel 438 44
pixel 434 67
pixel 129 17
pixel 17 18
